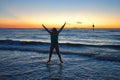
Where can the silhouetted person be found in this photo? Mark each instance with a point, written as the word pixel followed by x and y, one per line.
pixel 54 41
pixel 93 26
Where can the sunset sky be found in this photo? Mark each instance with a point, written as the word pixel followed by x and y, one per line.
pixel 53 13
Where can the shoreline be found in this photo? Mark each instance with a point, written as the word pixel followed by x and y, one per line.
pixel 32 65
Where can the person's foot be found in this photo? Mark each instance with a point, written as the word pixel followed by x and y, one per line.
pixel 61 61
pixel 48 61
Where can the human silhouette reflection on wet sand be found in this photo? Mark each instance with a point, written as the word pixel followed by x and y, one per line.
pixel 55 72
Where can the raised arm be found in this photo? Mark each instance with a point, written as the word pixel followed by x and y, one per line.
pixel 61 28
pixel 46 28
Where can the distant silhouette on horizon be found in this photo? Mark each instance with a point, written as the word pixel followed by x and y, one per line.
pixel 54 41
pixel 93 26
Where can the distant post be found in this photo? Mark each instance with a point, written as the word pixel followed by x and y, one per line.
pixel 93 26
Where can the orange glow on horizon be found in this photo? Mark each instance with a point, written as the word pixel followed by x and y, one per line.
pixel 77 14
pixel 29 23
pixel 26 25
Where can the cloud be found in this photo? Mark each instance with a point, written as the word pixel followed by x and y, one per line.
pixel 78 22
pixel 74 22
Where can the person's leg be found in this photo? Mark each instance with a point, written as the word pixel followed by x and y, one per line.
pixel 57 50
pixel 50 54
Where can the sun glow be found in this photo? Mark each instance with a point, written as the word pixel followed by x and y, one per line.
pixel 58 21
pixel 77 14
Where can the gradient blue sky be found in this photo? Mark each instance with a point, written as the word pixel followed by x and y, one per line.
pixel 55 12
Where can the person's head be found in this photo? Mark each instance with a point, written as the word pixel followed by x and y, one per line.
pixel 54 30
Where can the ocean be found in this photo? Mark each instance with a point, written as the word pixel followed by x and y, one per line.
pixel 87 54
pixel 101 43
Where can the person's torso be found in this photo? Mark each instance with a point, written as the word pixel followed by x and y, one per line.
pixel 54 38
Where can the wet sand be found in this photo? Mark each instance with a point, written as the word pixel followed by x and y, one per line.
pixel 25 65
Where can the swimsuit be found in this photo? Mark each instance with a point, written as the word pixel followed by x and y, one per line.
pixel 54 40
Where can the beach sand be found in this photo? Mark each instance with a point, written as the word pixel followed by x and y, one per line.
pixel 27 65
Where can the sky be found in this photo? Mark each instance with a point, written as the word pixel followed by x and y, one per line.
pixel 53 13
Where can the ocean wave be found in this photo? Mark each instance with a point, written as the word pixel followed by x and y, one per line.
pixel 18 42
pixel 98 56
pixel 23 42
pixel 108 57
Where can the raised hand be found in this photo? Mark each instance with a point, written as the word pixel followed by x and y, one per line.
pixel 62 27
pixel 46 28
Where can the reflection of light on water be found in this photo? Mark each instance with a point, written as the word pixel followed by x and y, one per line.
pixel 55 71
